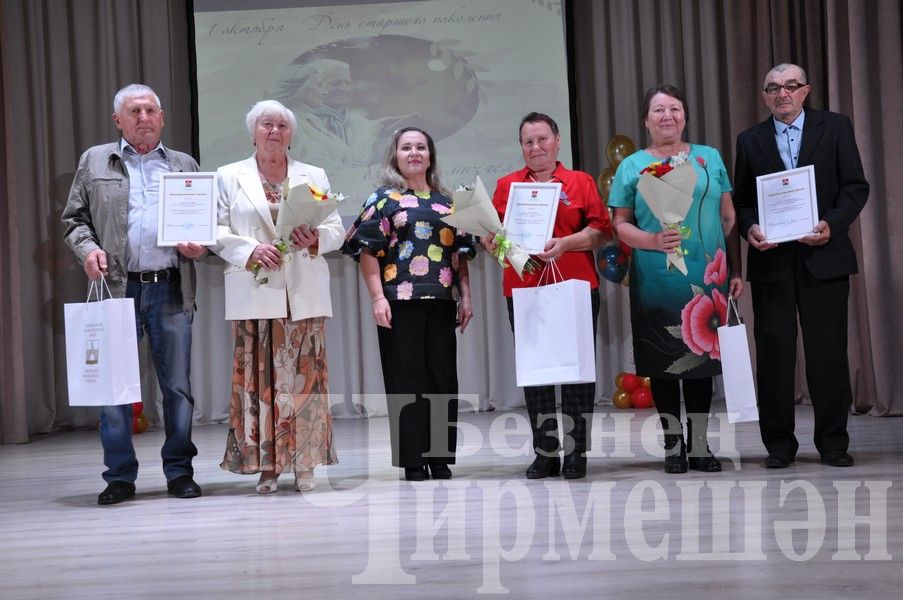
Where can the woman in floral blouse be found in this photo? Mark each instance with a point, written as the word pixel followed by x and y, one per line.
pixel 410 262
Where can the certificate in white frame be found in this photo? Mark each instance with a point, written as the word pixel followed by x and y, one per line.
pixel 788 204
pixel 530 214
pixel 186 209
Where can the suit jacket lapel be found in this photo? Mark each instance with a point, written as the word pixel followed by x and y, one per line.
pixel 813 129
pixel 250 184
pixel 297 174
pixel 765 140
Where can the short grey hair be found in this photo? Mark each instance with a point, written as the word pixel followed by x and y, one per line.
pixel 269 108
pixel 783 67
pixel 131 91
pixel 296 77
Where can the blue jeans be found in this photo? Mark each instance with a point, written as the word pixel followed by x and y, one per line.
pixel 158 311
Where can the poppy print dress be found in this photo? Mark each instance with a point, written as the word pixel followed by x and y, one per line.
pixel 675 317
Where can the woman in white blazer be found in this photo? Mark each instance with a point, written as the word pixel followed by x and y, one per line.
pixel 279 409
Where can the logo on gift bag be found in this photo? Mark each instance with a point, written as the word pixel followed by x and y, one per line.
pixel 188 183
pixel 785 181
pixel 92 352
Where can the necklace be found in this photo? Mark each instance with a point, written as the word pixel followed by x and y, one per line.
pixel 272 191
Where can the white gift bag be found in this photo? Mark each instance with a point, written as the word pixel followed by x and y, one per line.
pixel 102 350
pixel 736 369
pixel 553 333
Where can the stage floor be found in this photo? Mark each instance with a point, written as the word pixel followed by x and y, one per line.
pixel 626 531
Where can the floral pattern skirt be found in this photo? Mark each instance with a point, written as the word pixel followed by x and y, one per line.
pixel 279 418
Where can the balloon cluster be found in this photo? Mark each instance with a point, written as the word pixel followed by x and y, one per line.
pixel 619 147
pixel 613 260
pixel 632 391
pixel 139 419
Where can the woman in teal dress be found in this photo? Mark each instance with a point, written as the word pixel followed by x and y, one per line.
pixel 675 315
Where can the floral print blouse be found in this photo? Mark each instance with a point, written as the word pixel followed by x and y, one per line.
pixel 414 247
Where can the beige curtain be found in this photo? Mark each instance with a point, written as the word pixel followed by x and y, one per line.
pixel 13 421
pixel 62 61
pixel 719 52
pixel 865 81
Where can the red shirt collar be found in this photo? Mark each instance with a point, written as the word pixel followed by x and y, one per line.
pixel 526 174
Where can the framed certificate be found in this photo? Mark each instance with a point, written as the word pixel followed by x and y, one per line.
pixel 186 210
pixel 788 205
pixel 530 215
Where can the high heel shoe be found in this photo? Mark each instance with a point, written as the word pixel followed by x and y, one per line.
pixel 304 481
pixel 267 483
pixel 416 473
pixel 440 471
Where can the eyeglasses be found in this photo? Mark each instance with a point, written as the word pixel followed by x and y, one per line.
pixel 773 89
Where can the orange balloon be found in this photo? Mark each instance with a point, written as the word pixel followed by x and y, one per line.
pixel 621 399
pixel 604 182
pixel 619 147
pixel 139 424
pixel 647 382
pixel 619 379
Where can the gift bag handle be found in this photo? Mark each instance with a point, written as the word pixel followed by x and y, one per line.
pixel 732 307
pixel 555 277
pixel 97 287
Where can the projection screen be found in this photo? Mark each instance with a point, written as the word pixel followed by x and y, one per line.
pixel 466 71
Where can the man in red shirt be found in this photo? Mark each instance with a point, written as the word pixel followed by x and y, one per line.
pixel 581 225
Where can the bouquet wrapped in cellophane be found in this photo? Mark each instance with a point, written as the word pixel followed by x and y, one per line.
pixel 475 214
pixel 304 204
pixel 667 187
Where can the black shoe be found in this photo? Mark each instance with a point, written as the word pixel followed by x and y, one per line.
pixel 440 471
pixel 706 464
pixel 544 466
pixel 675 454
pixel 778 461
pixel 183 487
pixel 574 466
pixel 836 458
pixel 703 461
pixel 416 473
pixel 116 492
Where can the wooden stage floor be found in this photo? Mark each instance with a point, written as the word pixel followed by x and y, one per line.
pixel 626 531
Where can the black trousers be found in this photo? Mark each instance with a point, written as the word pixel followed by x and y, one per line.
pixel 419 362
pixel 697 394
pixel 822 309
pixel 577 401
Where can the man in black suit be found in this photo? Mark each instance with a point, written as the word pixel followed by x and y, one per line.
pixel 808 277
